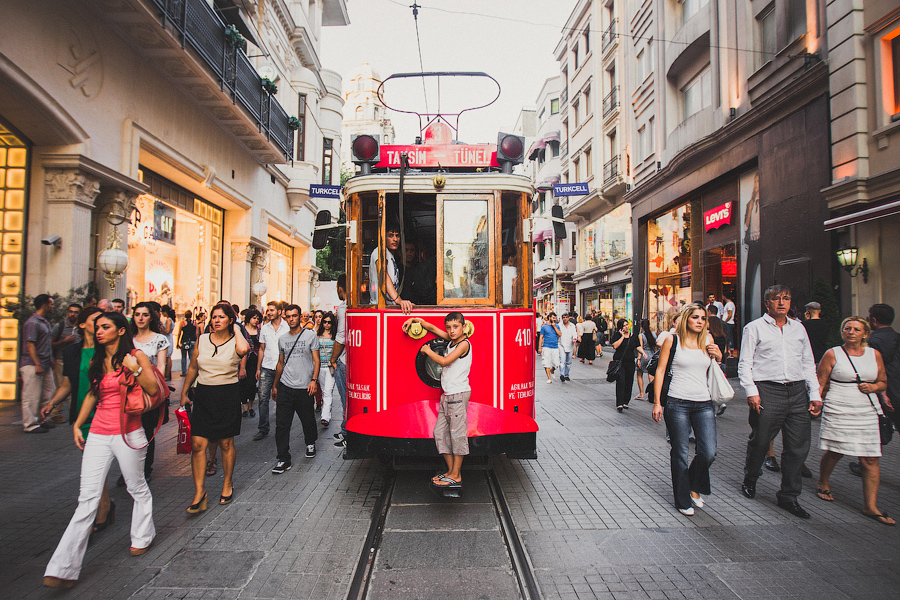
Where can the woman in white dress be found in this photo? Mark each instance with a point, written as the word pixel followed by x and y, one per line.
pixel 147 329
pixel 850 378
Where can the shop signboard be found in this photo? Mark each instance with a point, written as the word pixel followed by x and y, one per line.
pixel 718 216
pixel 325 191
pixel 444 155
pixel 570 189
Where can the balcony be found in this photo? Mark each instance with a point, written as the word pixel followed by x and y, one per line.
pixel 564 97
pixel 190 45
pixel 611 170
pixel 564 150
pixel 613 180
pixel 611 101
pixel 609 36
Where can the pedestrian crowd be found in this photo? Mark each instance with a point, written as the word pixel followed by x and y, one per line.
pixel 785 367
pixel 103 362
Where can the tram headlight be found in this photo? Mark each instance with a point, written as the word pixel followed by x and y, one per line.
pixel 366 152
pixel 510 151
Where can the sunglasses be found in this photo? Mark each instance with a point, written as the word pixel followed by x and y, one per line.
pixel 326 322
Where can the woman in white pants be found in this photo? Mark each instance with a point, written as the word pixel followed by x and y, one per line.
pixel 326 376
pixel 112 358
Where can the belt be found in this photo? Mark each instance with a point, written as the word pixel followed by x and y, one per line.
pixel 786 384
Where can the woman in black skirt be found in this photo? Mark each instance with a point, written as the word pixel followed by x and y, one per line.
pixel 216 407
pixel 625 344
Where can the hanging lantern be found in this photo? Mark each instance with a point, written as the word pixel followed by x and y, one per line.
pixel 315 302
pixel 113 261
pixel 259 289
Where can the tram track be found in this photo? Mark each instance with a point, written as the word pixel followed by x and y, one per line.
pixel 519 561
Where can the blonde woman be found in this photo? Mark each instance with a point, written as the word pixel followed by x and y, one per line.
pixel 850 378
pixel 689 405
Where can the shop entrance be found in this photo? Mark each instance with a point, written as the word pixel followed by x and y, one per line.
pixel 720 274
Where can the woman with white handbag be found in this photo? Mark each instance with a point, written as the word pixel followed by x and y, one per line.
pixel 688 405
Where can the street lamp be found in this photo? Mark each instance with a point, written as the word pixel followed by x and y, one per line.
pixel 847 257
pixel 114 261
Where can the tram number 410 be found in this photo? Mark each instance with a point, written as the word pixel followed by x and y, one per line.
pixel 354 338
pixel 524 337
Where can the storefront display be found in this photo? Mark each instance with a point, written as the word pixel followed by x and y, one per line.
pixel 612 301
pixel 279 270
pixel 669 264
pixel 606 239
pixel 174 248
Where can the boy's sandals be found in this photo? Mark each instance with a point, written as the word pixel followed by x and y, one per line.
pixel 444 481
pixel 210 468
pixel 826 495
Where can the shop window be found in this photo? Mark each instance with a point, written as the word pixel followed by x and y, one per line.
pixel 14 162
pixel 301 131
pixel 606 239
pixel 326 160
pixel 669 264
pixel 280 269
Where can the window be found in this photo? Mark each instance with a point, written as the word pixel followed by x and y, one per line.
pixel 651 137
pixel 575 115
pixel 765 34
pixel 554 148
pixel 587 40
pixel 575 164
pixel 587 101
pixel 327 145
pixel 697 94
pixel 573 243
pixel 796 19
pixel 575 56
pixel 466 249
pixel 554 106
pixel 541 116
pixel 301 131
pixel 895 59
pixel 543 202
pixel 588 167
pixel 689 8
pixel 541 250
pixel 642 141
pixel 642 71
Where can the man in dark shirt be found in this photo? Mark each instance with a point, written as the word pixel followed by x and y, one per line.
pixel 36 365
pixel 816 330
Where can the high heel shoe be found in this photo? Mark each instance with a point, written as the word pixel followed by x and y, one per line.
pixel 110 519
pixel 223 500
pixel 193 509
pixel 56 582
pixel 138 551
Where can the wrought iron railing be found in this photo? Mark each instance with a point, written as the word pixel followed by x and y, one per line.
pixel 609 36
pixel 564 150
pixel 611 170
pixel 201 29
pixel 611 101
pixel 564 96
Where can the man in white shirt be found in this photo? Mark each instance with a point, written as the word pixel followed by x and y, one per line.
pixel 391 270
pixel 265 368
pixel 338 362
pixel 568 333
pixel 728 320
pixel 711 301
pixel 778 373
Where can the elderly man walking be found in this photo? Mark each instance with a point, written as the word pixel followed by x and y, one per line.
pixel 778 374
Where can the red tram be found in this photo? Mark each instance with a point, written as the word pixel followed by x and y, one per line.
pixel 464 246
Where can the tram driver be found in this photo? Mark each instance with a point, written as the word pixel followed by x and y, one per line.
pixel 392 270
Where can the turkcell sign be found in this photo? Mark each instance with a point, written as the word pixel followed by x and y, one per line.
pixel 717 217
pixel 325 191
pixel 444 155
pixel 570 189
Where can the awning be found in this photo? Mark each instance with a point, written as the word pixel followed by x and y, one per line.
pixel 550 136
pixel 542 230
pixel 547 182
pixel 535 148
pixel 542 286
pixel 862 216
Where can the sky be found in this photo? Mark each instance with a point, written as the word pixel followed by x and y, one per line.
pixel 518 54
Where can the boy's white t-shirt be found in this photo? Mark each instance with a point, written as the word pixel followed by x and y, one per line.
pixel 455 376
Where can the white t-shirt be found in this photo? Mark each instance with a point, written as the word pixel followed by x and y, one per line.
pixel 569 333
pixel 729 306
pixel 151 349
pixel 509 273
pixel 719 307
pixel 269 337
pixel 392 271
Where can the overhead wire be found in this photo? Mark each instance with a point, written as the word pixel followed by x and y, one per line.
pixel 575 29
pixel 415 9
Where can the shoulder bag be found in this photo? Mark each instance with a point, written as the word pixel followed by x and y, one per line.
pixel 135 401
pixel 667 378
pixel 615 365
pixel 885 426
pixel 720 390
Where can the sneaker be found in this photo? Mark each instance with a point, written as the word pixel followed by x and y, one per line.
pixel 310 450
pixel 245 414
pixel 721 410
pixel 549 380
pixel 252 413
pixel 688 512
pixel 562 378
pixel 259 435
pixel 339 436
pixel 341 444
pixel 39 429
pixel 280 467
pixel 698 502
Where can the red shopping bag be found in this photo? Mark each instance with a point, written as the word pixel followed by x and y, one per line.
pixel 184 431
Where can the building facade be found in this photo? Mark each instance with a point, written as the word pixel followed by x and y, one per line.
pixel 730 122
pixel 363 111
pixel 131 124
pixel 864 193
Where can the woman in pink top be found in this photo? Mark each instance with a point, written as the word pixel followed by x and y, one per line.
pixel 112 357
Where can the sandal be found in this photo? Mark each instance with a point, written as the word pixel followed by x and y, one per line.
pixel 826 495
pixel 879 518
pixel 210 468
pixel 444 481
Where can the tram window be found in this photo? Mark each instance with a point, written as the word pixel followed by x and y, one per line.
pixel 466 260
pixel 511 240
pixel 368 236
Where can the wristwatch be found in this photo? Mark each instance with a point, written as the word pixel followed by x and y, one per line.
pixel 138 372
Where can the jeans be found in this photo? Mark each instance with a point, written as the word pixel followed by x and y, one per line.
pixel 565 362
pixel 681 416
pixel 292 401
pixel 99 451
pixel 326 384
pixel 729 336
pixel 266 379
pixel 340 379
pixel 187 349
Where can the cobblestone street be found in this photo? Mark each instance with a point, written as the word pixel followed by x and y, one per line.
pixel 595 512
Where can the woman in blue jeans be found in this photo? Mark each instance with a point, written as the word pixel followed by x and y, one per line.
pixel 689 405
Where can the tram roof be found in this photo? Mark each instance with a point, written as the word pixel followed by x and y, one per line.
pixel 423 183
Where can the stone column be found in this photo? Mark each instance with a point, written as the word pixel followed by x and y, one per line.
pixel 242 256
pixel 70 194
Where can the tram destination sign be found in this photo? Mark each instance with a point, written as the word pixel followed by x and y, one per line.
pixel 325 191
pixel 570 189
pixel 444 155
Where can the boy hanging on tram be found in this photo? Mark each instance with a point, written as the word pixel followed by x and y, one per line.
pixel 450 431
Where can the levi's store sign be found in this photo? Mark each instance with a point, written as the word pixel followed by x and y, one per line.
pixel 718 216
pixel 444 155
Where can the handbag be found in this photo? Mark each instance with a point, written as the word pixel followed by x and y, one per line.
pixel 667 378
pixel 612 370
pixel 135 401
pixel 720 390
pixel 184 431
pixel 885 426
